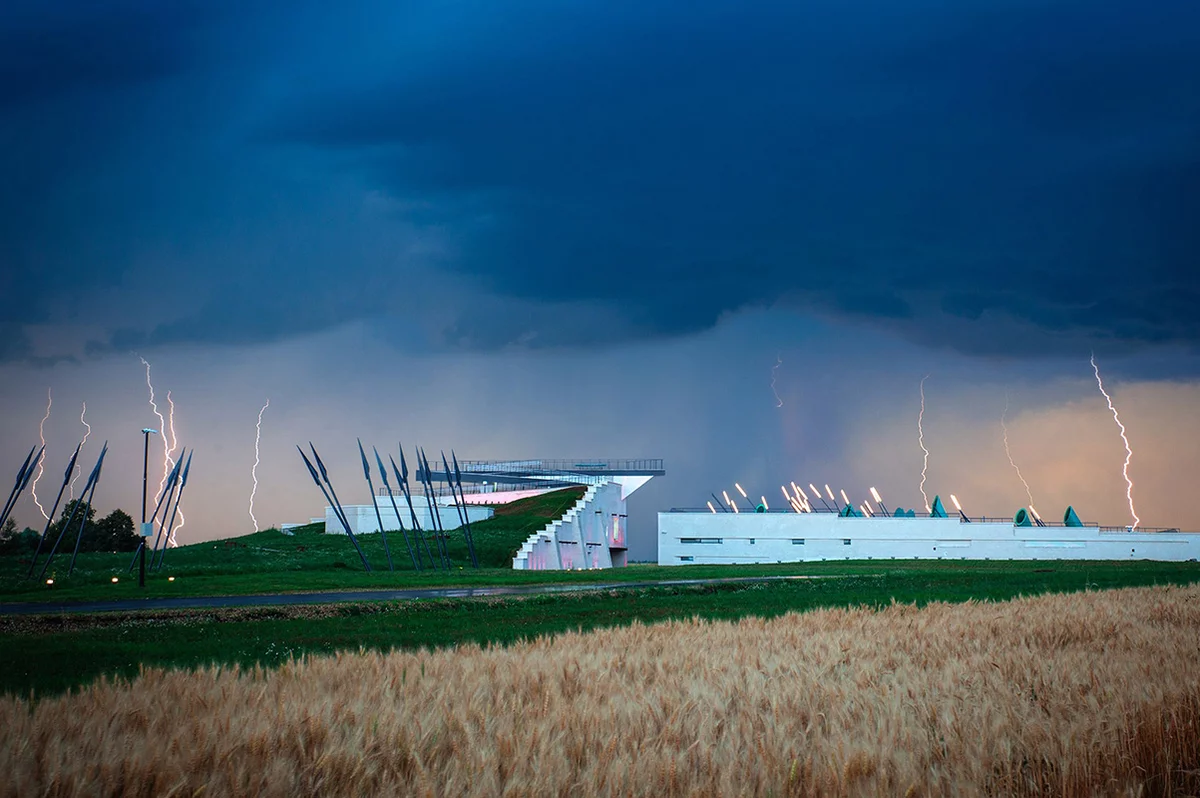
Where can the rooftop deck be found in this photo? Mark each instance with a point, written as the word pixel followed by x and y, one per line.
pixel 583 471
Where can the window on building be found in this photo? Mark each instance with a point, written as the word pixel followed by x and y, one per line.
pixel 686 559
pixel 845 541
pixel 797 541
pixel 690 541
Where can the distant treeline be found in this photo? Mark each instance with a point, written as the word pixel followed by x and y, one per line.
pixel 113 532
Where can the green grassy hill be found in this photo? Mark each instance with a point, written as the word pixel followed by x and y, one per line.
pixel 496 540
pixel 309 559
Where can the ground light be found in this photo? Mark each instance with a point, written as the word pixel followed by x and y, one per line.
pixel 114 580
pixel 49 581
pixel 170 579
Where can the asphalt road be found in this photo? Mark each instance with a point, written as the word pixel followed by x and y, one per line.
pixel 413 594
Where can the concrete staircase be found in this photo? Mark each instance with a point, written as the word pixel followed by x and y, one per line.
pixel 541 551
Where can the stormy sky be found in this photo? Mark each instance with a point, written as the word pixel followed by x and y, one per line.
pixel 601 229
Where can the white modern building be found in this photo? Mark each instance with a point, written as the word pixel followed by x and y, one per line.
pixel 691 536
pixel 591 534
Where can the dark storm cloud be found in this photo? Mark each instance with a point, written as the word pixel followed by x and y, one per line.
pixel 14 343
pixel 1015 178
pixel 1033 162
pixel 47 49
pixel 86 103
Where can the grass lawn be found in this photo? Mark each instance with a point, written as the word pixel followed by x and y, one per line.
pixel 46 654
pixel 50 653
pixel 309 560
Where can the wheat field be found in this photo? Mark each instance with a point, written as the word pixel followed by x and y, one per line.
pixel 1071 695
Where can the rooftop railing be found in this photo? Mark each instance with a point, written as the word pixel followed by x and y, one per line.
pixel 581 465
pixel 475 489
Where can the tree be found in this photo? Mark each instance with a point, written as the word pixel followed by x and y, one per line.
pixel 115 532
pixel 14 542
pixel 68 540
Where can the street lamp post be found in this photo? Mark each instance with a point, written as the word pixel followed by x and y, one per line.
pixel 146 433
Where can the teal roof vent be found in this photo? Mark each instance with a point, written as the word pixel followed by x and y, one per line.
pixel 938 510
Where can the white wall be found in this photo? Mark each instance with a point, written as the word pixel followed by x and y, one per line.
pixel 585 538
pixel 592 534
pixel 363 521
pixel 774 537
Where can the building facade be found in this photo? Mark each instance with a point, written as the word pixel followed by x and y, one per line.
pixel 693 537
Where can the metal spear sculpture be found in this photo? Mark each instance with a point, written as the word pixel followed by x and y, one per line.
pixel 429 506
pixel 436 506
pixel 466 515
pixel 453 492
pixel 383 474
pixel 168 486
pixel 337 508
pixel 12 495
pixel 462 510
pixel 471 535
pixel 21 481
pixel 375 503
pixel 325 476
pixel 457 507
pixel 402 478
pixel 66 478
pixel 162 524
pixel 88 507
pixel 427 484
pixel 183 478
pixel 437 511
pixel 92 478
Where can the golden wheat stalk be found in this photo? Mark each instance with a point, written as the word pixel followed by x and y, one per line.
pixel 1082 694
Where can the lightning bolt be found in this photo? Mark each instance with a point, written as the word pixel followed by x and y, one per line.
pixel 774 369
pixel 162 422
pixel 1007 451
pixel 165 424
pixel 921 441
pixel 86 435
pixel 1125 440
pixel 168 447
pixel 42 462
pixel 254 469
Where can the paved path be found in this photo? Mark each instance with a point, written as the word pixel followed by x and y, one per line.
pixel 409 594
